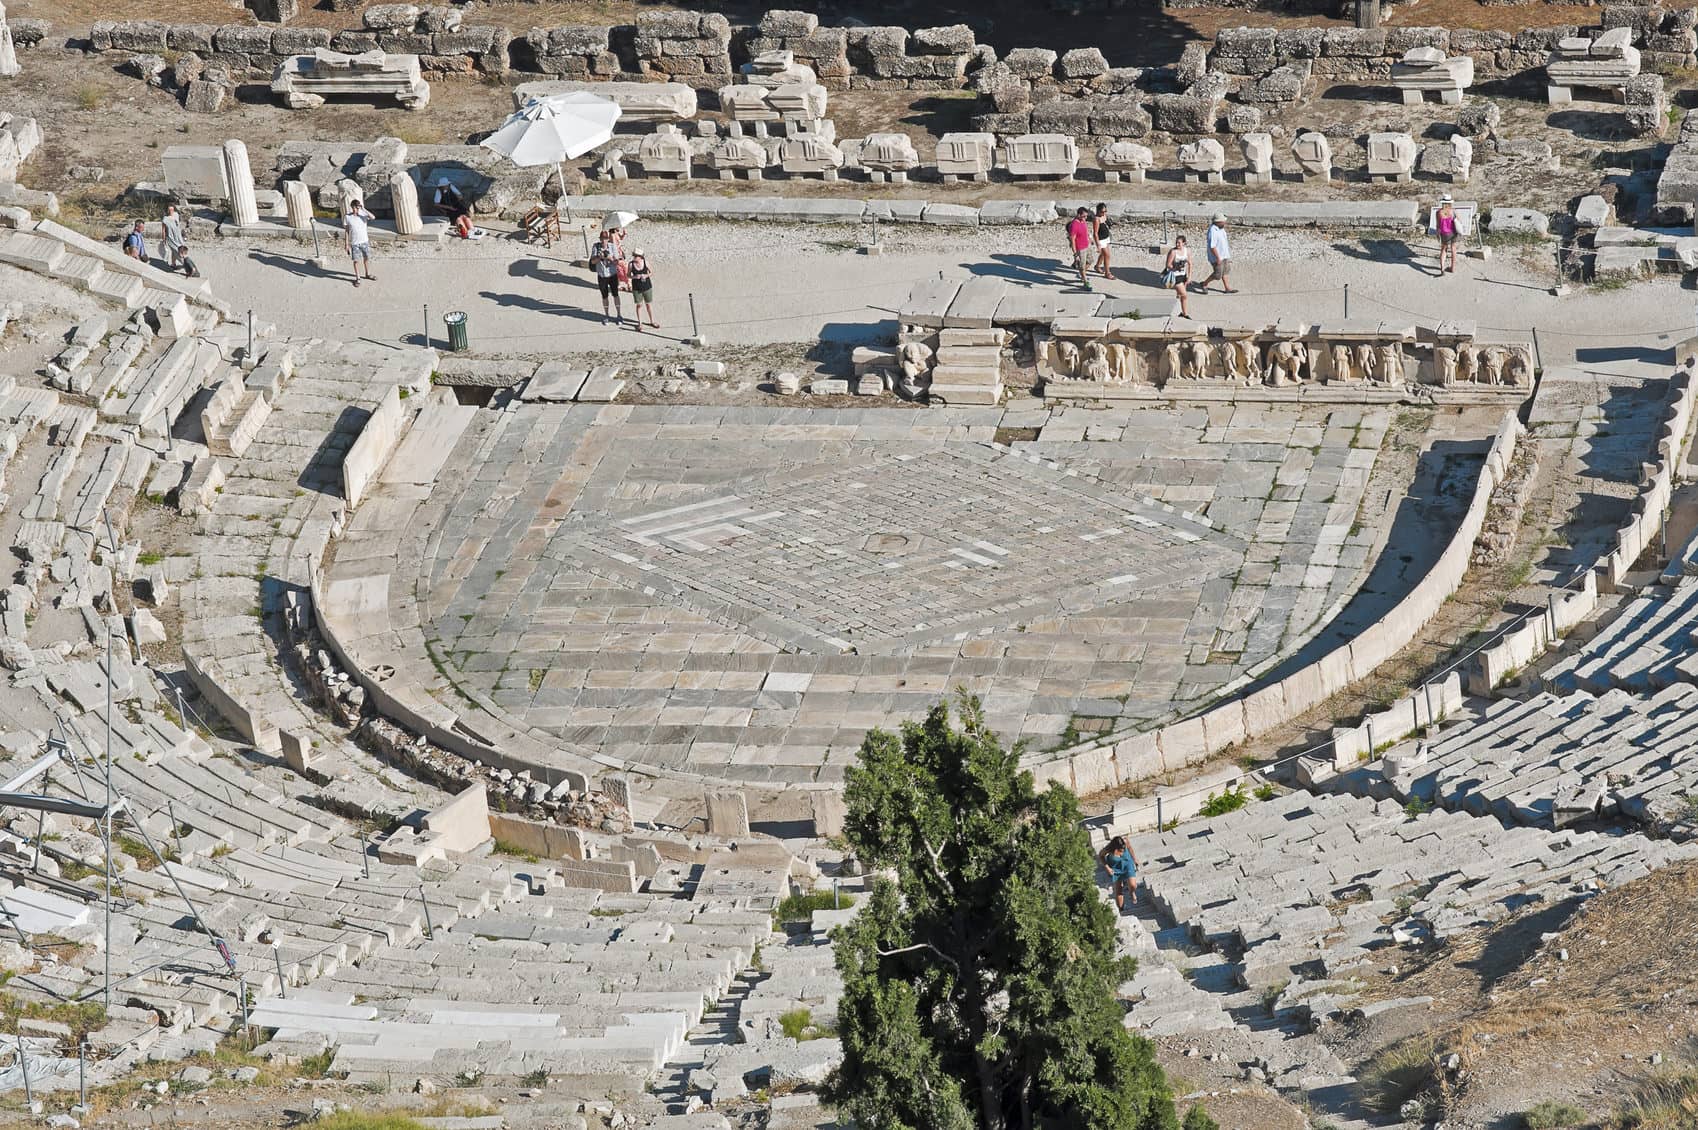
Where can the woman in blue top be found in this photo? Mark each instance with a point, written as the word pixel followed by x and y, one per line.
pixel 1122 867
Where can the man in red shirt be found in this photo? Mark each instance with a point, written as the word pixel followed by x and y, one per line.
pixel 1079 242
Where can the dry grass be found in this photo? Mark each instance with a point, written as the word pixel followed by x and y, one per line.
pixel 1669 1102
pixel 1402 1072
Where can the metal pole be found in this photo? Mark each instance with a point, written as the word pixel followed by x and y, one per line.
pixel 23 1065
pixel 277 953
pixel 242 995
pixel 1538 357
pixel 312 223
pixel 177 835
pixel 1347 301
pixel 82 1081
pixel 106 957
pixel 365 858
pixel 171 430
pixel 250 335
pixel 1158 814
pixel 430 930
pixel 427 325
pixel 41 821
pixel 695 329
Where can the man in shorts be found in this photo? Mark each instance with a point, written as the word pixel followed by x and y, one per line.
pixel 1081 233
pixel 356 228
pixel 1220 256
pixel 604 261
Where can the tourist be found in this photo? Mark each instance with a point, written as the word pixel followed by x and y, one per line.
pixel 1176 272
pixel 451 203
pixel 1220 255
pixel 604 261
pixel 1122 867
pixel 1079 237
pixel 188 264
pixel 642 290
pixel 135 244
pixel 172 228
pixel 355 225
pixel 1445 224
pixel 1101 238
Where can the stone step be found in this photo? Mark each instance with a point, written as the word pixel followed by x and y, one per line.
pixel 31 252
pixel 126 290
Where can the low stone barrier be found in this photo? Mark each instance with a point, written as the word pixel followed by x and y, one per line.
pixel 1189 741
pixel 375 443
pixel 1531 638
pixel 1262 214
pixel 1656 487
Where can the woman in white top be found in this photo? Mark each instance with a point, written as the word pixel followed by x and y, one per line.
pixel 1176 272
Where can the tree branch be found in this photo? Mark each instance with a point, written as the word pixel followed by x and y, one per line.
pixel 920 946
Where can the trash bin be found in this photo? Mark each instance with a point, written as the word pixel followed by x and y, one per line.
pixel 456 322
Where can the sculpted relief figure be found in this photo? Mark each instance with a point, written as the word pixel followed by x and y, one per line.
pixel 1491 365
pixel 1122 364
pixel 916 360
pixel 1197 364
pixel 1467 364
pixel 1066 360
pixel 1366 361
pixel 1391 363
pixel 1248 361
pixel 1342 368
pixel 1173 366
pixel 1285 363
pixel 1444 365
pixel 1229 361
pixel 1520 371
pixel 1094 367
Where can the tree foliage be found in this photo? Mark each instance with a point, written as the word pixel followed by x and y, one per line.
pixel 979 986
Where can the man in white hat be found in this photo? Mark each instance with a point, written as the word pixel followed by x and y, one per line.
pixel 449 202
pixel 1220 256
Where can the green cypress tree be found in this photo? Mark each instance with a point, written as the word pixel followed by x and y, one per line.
pixel 979 986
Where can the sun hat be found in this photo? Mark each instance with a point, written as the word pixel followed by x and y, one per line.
pixel 1220 218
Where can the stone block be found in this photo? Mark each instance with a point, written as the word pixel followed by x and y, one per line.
pixel 1354 42
pixel 1082 62
pixel 956 39
pixel 463 823
pixel 829 811
pixel 1120 116
pixel 727 812
pixel 297 751
pixel 1183 113
pixel 273 11
pixel 779 23
pixel 1031 62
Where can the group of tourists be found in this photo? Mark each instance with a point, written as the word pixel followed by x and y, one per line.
pixel 614 273
pixel 173 238
pixel 1090 240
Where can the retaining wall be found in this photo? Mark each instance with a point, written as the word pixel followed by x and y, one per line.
pixel 1189 741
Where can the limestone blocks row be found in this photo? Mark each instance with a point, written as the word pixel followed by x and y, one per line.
pixel 244 46
pixel 1424 69
pixel 1608 61
pixel 641 103
pixel 304 81
pixel 798 107
pixel 1126 352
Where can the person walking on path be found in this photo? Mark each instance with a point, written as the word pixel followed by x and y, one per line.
pixel 1122 867
pixel 1445 223
pixel 135 244
pixel 642 290
pixel 1081 233
pixel 1220 255
pixel 1176 273
pixel 171 227
pixel 605 261
pixel 356 228
pixel 1101 234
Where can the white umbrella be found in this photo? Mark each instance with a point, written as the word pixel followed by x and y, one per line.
pixel 557 128
pixel 618 219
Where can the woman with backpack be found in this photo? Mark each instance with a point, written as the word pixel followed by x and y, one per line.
pixel 1122 867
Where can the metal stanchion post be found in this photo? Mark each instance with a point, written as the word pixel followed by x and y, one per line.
pixel 277 955
pixel 23 1066
pixel 250 335
pixel 430 930
pixel 427 325
pixel 365 858
pixel 176 829
pixel 242 995
pixel 1347 300
pixel 1538 356
pixel 312 225
pixel 82 1079
pixel 695 326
